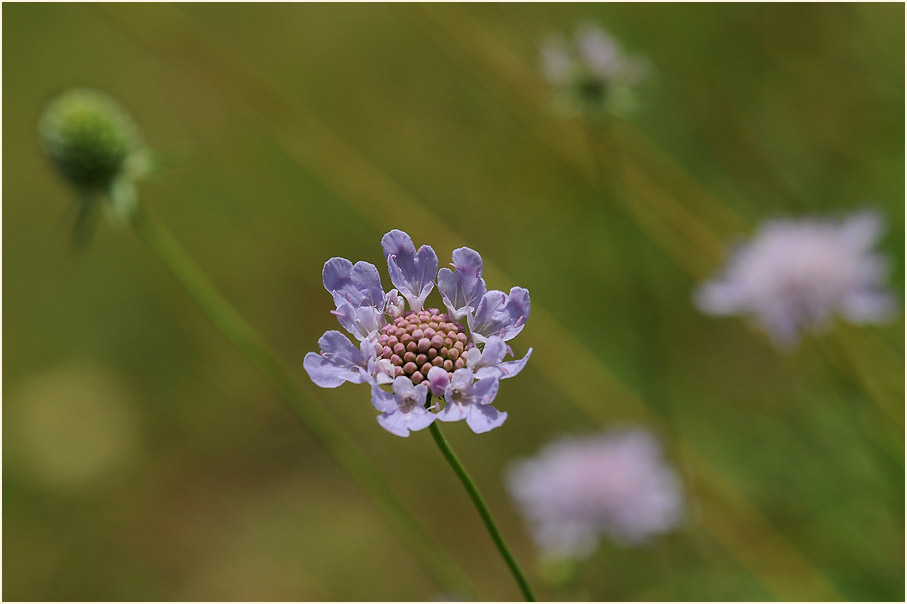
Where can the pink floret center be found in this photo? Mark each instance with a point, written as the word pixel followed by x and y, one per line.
pixel 418 341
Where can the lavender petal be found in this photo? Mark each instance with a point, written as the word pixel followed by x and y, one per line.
pixel 412 272
pixel 483 418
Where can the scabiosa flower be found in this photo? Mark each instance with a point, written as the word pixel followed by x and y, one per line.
pixel 408 356
pixel 592 71
pixel 579 489
pixel 795 274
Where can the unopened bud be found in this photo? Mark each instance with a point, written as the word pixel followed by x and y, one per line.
pixel 89 137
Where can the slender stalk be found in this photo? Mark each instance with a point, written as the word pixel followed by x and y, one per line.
pixel 473 491
pixel 434 558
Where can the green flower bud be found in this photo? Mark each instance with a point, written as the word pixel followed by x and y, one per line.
pixel 89 137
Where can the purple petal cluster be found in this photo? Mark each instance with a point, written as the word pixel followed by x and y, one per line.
pixel 794 275
pixel 591 66
pixel 579 489
pixel 409 356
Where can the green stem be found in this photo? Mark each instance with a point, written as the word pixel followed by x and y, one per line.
pixel 482 508
pixel 435 559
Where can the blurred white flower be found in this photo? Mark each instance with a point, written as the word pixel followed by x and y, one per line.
pixel 795 274
pixel 592 70
pixel 614 484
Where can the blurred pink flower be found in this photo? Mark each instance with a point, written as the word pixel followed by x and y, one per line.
pixel 579 489
pixel 795 274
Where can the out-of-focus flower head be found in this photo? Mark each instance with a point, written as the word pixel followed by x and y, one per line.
pixel 591 71
pixel 98 149
pixel 89 137
pixel 579 489
pixel 407 357
pixel 794 275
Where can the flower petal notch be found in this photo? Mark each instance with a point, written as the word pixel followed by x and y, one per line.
pixel 358 284
pixel 462 287
pixel 412 272
pixel 793 276
pixel 421 364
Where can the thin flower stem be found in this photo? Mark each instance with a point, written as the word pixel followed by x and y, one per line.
pixel 473 492
pixel 435 559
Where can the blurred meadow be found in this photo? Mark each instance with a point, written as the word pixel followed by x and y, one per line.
pixel 144 458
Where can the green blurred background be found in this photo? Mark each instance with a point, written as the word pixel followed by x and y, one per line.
pixel 145 459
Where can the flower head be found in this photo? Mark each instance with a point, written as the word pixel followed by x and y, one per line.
pixel 795 274
pixel 89 137
pixel 579 489
pixel 592 71
pixel 421 352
